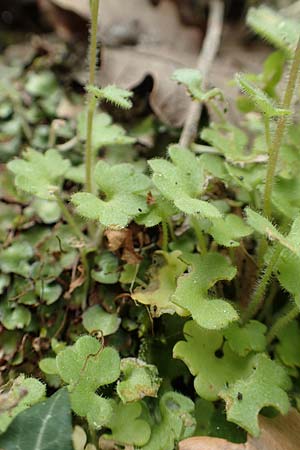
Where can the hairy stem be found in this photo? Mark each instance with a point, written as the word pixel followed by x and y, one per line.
pixel 199 234
pixel 67 215
pixel 94 6
pixel 208 53
pixel 279 133
pixel 259 292
pixel 289 313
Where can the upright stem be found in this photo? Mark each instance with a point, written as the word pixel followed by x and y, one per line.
pixel 94 6
pixel 259 292
pixel 279 133
pixel 67 215
pixel 286 317
pixel 199 234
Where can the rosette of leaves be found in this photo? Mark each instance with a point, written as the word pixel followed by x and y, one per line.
pixel 85 367
pixel 139 380
pixel 182 181
pixel 123 190
pixel 39 174
pixel 192 291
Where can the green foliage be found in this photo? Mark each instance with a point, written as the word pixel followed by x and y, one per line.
pixel 176 422
pixel 265 385
pixel 163 276
pixel 262 101
pixel 192 290
pixel 39 174
pixel 211 235
pixel 23 393
pixel 199 354
pixel 278 30
pixel 104 131
pixel 46 425
pixel 182 181
pixel 96 319
pixel 139 380
pixel 125 195
pixel 113 94
pixel 85 367
pixel 127 426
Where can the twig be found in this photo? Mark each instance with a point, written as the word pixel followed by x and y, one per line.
pixel 207 55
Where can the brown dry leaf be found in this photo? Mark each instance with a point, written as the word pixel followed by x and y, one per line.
pixel 139 39
pixel 281 433
pixel 76 282
pixel 123 240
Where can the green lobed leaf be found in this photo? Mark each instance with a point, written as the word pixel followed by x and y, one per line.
pixel 39 174
pixel 24 393
pixel 192 80
pixel 192 290
pixel 127 425
pixel 264 386
pixel 106 268
pixel 211 372
pixel 85 367
pixel 263 102
pixel 96 319
pixel 112 94
pixel 139 380
pixel 162 284
pixel 274 27
pixel 176 422
pixel 16 257
pixel 125 191
pixel 46 426
pixel 288 348
pixel 182 181
pixel 228 231
pixel 249 337
pixel 104 131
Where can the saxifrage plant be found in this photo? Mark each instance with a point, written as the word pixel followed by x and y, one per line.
pixel 217 290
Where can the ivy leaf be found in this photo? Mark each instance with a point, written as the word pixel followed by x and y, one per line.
pixel 192 290
pixel 24 393
pixel 212 373
pixel 192 80
pixel 162 284
pixel 176 422
pixel 275 28
pixel 264 386
pixel 244 339
pixel 85 367
pixel 228 231
pixel 48 366
pixel 125 192
pixel 182 181
pixel 39 174
pixel 263 102
pixel 289 344
pixel 95 318
pixel 139 380
pixel 127 425
pixel 46 426
pixel 104 132
pixel 112 94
